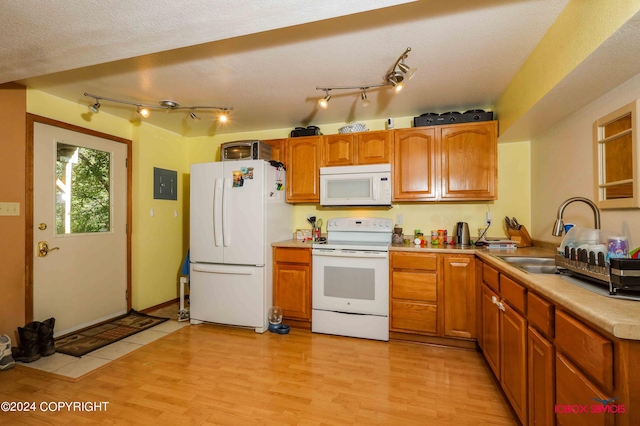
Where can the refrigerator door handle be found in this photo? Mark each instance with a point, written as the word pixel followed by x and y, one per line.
pixel 226 221
pixel 222 270
pixel 217 212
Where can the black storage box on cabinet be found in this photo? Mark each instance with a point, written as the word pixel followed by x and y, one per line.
pixel 309 131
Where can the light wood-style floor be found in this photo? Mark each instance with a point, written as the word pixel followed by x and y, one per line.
pixel 209 375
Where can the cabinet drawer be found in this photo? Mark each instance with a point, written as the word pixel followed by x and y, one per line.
pixel 412 316
pixel 588 349
pixel 540 314
pixel 573 390
pixel 491 277
pixel 427 262
pixel 513 293
pixel 414 285
pixel 293 255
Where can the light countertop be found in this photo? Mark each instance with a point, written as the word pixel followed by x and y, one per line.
pixel 621 318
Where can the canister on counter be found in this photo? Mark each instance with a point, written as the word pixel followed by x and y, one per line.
pixel 434 237
pixel 441 238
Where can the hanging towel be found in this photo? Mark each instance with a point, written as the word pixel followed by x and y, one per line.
pixel 185 265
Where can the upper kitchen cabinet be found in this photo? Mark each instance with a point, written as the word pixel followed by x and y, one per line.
pixel 303 169
pixel 357 148
pixel 414 164
pixel 446 163
pixel 374 147
pixel 338 150
pixel 615 142
pixel 468 154
pixel 278 152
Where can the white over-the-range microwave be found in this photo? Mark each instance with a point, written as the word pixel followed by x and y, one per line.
pixel 367 185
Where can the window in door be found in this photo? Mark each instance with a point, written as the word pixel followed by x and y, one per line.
pixel 83 190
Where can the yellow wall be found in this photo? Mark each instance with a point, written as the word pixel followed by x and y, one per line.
pixel 514 197
pixel 579 29
pixel 159 242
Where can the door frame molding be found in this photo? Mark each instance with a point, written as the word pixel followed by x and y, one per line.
pixel 29 241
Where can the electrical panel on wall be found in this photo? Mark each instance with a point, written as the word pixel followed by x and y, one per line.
pixel 165 184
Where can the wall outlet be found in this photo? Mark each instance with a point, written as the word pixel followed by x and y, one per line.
pixel 9 209
pixel 487 218
pixel 399 219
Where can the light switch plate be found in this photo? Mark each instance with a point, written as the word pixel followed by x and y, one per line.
pixel 9 209
pixel 399 219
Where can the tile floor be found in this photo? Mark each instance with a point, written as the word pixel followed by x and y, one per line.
pixel 74 368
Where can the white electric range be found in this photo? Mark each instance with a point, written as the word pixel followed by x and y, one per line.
pixel 351 279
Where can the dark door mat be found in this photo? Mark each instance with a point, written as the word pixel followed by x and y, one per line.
pixel 83 342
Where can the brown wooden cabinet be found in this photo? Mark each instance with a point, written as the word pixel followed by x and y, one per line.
pixel 541 367
pixel 303 169
pixel 292 283
pixel 458 274
pixel 357 148
pixel 491 329
pixel 455 162
pixel 468 155
pixel 513 358
pixel 414 165
pixel 278 150
pixel 374 147
pixel 338 150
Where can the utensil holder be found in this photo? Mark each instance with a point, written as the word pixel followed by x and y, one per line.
pixel 520 236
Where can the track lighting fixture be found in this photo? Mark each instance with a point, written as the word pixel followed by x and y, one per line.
pixel 144 109
pixel 324 102
pixel 365 102
pixel 144 112
pixel 400 73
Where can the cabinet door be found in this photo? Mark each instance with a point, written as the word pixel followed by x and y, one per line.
pixel 278 150
pixel 374 147
pixel 541 366
pixel 469 161
pixel 303 169
pixel 479 302
pixel 414 165
pixel 491 329
pixel 338 150
pixel 417 317
pixel 513 359
pixel 292 290
pixel 459 296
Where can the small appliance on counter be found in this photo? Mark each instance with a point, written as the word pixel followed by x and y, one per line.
pixel 433 119
pixel 462 237
pixel 309 131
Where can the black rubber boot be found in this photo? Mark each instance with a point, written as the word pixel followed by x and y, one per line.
pixel 28 349
pixel 45 337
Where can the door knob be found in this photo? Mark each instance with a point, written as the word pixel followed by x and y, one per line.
pixel 43 249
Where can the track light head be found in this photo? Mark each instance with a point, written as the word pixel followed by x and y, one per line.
pixel 143 111
pixel 223 118
pixel 324 102
pixel 193 115
pixel 408 72
pixel 365 102
pixel 396 78
pixel 95 108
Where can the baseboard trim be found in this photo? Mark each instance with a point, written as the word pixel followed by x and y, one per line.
pixel 433 340
pixel 163 305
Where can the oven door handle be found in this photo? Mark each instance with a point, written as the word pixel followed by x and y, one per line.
pixel 351 253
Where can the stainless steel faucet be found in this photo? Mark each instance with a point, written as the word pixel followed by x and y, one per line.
pixel 558 227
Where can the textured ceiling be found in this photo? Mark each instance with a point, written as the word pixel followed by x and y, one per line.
pixel 466 53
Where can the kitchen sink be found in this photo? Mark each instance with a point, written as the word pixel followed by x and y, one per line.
pixel 532 265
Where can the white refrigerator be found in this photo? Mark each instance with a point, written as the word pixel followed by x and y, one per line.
pixel 238 209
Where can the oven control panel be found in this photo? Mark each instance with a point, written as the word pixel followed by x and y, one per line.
pixel 360 224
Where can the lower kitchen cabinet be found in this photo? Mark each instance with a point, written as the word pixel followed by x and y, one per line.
pixel 458 274
pixel 292 283
pixel 490 329
pixel 513 358
pixel 540 363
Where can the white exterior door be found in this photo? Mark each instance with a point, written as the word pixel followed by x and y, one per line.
pixel 80 212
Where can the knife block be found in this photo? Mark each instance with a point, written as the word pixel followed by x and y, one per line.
pixel 520 236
